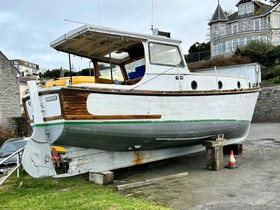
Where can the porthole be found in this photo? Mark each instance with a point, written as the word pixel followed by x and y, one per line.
pixel 238 85
pixel 194 85
pixel 220 85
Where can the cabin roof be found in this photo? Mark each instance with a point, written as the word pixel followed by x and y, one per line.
pixel 92 41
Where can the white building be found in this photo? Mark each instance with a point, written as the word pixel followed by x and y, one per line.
pixel 253 20
pixel 27 69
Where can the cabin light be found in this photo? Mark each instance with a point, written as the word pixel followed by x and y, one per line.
pixel 51 98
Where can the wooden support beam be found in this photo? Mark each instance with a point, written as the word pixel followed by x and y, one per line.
pixel 150 181
pixel 214 153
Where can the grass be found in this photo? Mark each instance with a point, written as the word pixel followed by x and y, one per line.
pixel 77 192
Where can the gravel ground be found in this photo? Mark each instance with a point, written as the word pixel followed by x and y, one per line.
pixel 255 184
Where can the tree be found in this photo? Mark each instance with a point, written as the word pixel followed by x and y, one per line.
pixel 55 73
pixel 199 47
pixel 198 51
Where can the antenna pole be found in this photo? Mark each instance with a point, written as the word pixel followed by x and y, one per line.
pixel 98 13
pixel 152 26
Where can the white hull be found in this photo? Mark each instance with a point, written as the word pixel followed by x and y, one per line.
pixel 157 110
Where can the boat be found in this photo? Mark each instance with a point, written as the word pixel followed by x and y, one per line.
pixel 157 110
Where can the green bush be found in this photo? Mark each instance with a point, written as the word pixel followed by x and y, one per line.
pixel 259 51
pixel 276 80
pixel 271 72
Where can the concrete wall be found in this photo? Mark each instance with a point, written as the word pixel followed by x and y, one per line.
pixel 9 93
pixel 268 105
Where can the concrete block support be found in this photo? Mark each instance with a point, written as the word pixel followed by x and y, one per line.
pixel 101 178
pixel 214 153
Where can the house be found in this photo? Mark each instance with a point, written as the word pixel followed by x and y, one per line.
pixel 253 20
pixel 27 69
pixel 9 93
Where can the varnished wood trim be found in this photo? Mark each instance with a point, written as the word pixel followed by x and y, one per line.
pixel 53 118
pixel 110 117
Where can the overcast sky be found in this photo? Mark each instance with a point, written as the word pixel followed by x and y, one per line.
pixel 28 26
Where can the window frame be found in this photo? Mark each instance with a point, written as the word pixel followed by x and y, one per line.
pixel 181 64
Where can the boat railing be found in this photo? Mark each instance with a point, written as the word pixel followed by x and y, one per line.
pixel 18 153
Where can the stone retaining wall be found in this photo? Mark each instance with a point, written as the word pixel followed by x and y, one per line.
pixel 268 105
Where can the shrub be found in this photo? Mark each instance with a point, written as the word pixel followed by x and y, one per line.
pixel 5 133
pixel 276 80
pixel 271 72
pixel 259 51
pixel 219 61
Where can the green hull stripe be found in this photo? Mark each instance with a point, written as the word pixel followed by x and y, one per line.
pixel 134 122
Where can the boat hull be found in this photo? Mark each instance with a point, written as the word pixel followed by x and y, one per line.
pixel 125 136
pixel 146 121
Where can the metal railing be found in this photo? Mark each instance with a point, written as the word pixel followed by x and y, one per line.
pixel 18 153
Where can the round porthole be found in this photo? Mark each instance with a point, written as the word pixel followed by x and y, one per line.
pixel 194 85
pixel 220 85
pixel 238 85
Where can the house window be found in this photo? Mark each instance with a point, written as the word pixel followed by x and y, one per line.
pixel 229 46
pixel 249 8
pixel 223 30
pixel 234 28
pixel 234 44
pixel 248 39
pixel 216 31
pixel 263 38
pixel 256 38
pixel 241 42
pixel 241 9
pixel 223 47
pixel 276 21
pixel 257 25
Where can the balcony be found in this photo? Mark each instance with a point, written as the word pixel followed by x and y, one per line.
pixel 262 29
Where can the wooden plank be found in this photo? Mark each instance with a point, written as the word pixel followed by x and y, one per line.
pixel 150 181
pixel 53 118
pixel 74 105
pixel 76 111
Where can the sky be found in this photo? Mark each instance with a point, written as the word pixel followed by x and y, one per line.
pixel 28 26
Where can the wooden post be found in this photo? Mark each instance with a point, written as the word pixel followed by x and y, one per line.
pixel 214 153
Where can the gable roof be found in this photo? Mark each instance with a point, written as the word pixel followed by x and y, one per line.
pixel 219 15
pixel 263 9
pixel 243 1
pixel 8 62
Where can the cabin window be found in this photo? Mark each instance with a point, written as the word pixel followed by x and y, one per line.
pixel 130 67
pixel 104 71
pixel 163 54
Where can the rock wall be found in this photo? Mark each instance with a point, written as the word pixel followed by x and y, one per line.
pixel 268 105
pixel 9 93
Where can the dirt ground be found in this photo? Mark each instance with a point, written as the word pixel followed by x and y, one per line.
pixel 255 184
